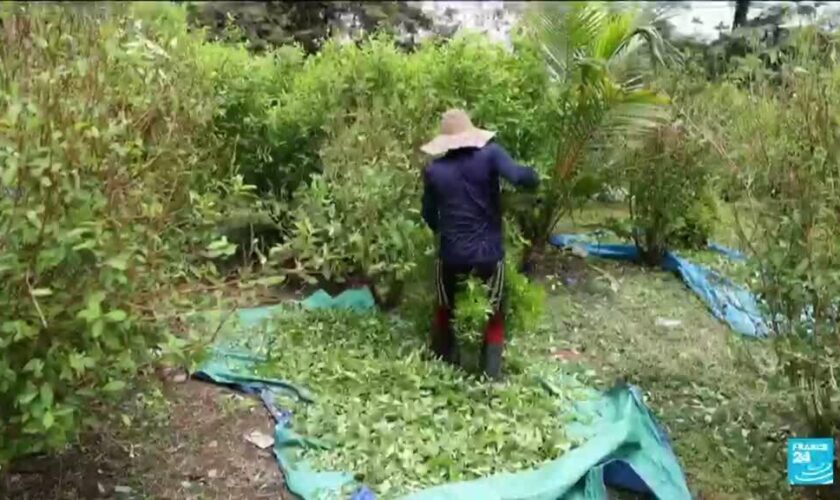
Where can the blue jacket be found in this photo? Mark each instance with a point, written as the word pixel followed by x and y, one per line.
pixel 462 202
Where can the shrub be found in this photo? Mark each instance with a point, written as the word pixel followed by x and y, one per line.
pixel 249 89
pixel 382 105
pixel 798 234
pixel 793 233
pixel 756 166
pixel 700 220
pixel 671 199
pixel 107 179
pixel 502 89
pixel 359 218
pixel 335 83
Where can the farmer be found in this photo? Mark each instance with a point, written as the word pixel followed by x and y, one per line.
pixel 461 204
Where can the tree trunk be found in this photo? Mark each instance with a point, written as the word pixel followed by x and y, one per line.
pixel 531 257
pixel 742 7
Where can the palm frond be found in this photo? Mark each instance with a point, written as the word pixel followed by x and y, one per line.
pixel 631 119
pixel 615 33
pixel 565 30
pixel 601 57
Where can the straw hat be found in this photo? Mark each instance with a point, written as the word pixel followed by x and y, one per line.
pixel 456 131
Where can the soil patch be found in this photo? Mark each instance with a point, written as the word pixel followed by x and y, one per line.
pixel 183 441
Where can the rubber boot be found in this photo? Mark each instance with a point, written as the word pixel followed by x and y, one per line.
pixel 446 349
pixel 443 342
pixel 491 361
pixel 493 347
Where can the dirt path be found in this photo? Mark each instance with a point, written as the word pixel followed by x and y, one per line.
pixel 185 441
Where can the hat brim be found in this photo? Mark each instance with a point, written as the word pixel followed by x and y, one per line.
pixel 474 138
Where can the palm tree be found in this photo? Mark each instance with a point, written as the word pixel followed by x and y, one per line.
pixel 599 58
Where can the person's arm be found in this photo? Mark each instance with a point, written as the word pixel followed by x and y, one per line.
pixel 516 174
pixel 429 209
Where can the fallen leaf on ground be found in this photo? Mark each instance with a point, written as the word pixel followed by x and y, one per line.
pixel 668 323
pixel 259 439
pixel 565 354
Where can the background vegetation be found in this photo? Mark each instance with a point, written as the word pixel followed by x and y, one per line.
pixel 139 153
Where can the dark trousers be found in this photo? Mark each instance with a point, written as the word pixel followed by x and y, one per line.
pixel 447 279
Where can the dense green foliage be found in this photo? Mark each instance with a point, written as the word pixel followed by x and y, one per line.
pixel 128 145
pixel 383 105
pixel 522 305
pixel 358 219
pixel 330 142
pixel 108 187
pixel 790 161
pixel 248 88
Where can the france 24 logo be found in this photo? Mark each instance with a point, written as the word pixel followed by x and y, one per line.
pixel 810 461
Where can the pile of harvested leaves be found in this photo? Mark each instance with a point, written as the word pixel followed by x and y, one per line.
pixel 397 419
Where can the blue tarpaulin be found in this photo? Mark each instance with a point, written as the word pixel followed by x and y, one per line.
pixel 623 445
pixel 729 252
pixel 728 302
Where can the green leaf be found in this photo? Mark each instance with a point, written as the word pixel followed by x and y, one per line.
pixel 93 309
pixel 9 174
pixel 34 365
pixel 114 386
pixel 63 411
pixel 27 396
pixel 97 328
pixel 46 394
pixel 116 315
pixel 32 217
pixel 48 420
pixel 75 361
pixel 41 292
pixel 119 262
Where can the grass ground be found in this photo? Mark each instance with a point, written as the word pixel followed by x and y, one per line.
pixel 727 427
pixel 644 327
pixel 184 439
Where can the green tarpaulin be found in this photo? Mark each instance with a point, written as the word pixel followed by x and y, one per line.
pixel 622 444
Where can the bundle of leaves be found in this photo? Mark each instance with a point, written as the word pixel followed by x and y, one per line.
pixel 472 308
pixel 398 420
pixel 522 304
